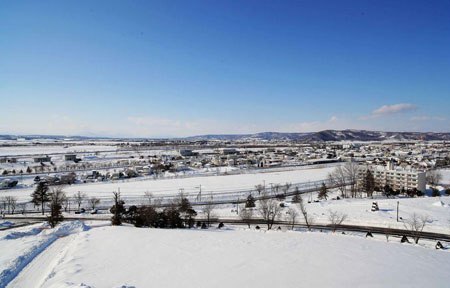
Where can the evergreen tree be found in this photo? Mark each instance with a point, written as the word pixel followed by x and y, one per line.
pixel 56 198
pixel 185 209
pixel 387 190
pixel 250 203
pixel 40 195
pixel 118 209
pixel 323 193
pixel 369 183
pixel 435 192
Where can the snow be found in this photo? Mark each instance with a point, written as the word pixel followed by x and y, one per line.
pixel 6 224
pixel 40 150
pixel 359 212
pixel 21 246
pixel 439 204
pixel 445 176
pixel 223 183
pixel 141 257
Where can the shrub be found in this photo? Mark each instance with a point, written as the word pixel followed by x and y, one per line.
pixel 250 203
pixel 435 192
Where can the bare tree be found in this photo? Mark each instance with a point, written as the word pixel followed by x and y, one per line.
pixel 66 203
pixel 80 198
pixel 415 224
pixel 351 173
pixel 275 187
pixel 434 177
pixel 309 219
pixel 11 204
pixel 3 203
pixel 208 209
pixel 292 217
pixel 336 219
pixel 22 206
pixel 246 215
pixel 93 202
pixel 339 180
pixel 259 188
pixel 149 197
pixel 286 188
pixel 269 209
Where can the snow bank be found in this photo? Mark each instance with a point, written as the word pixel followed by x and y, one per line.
pixel 15 235
pixel 69 227
pixel 6 224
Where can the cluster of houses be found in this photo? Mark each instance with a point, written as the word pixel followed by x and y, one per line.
pixel 414 156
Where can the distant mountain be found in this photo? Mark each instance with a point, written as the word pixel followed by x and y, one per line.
pixel 321 136
pixel 333 135
pixel 258 136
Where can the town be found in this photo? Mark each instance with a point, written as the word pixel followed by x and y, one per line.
pixel 224 144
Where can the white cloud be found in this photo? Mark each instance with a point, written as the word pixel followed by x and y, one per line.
pixel 387 110
pixel 333 123
pixel 419 118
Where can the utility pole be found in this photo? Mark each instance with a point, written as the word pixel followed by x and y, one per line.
pixel 398 202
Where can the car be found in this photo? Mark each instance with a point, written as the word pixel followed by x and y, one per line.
pixel 81 211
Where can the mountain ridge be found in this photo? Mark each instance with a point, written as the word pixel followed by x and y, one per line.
pixel 331 135
pixel 320 136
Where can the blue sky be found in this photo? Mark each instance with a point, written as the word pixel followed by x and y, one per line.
pixel 179 68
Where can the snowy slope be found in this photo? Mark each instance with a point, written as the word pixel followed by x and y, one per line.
pixel 133 257
pixel 20 246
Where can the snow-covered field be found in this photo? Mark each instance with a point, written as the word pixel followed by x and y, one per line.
pixel 140 257
pixel 214 184
pixel 38 150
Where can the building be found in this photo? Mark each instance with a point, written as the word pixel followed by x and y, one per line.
pixel 228 151
pixel 395 177
pixel 187 153
pixel 70 157
pixel 40 159
pixel 8 160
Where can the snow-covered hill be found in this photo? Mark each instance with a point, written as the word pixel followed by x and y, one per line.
pixel 142 257
pixel 333 135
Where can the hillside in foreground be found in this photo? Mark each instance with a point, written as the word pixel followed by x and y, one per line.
pixel 126 256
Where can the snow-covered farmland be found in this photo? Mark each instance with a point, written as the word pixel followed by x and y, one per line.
pixel 38 150
pixel 141 257
pixel 214 184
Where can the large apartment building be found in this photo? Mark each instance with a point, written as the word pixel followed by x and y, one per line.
pixel 397 178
